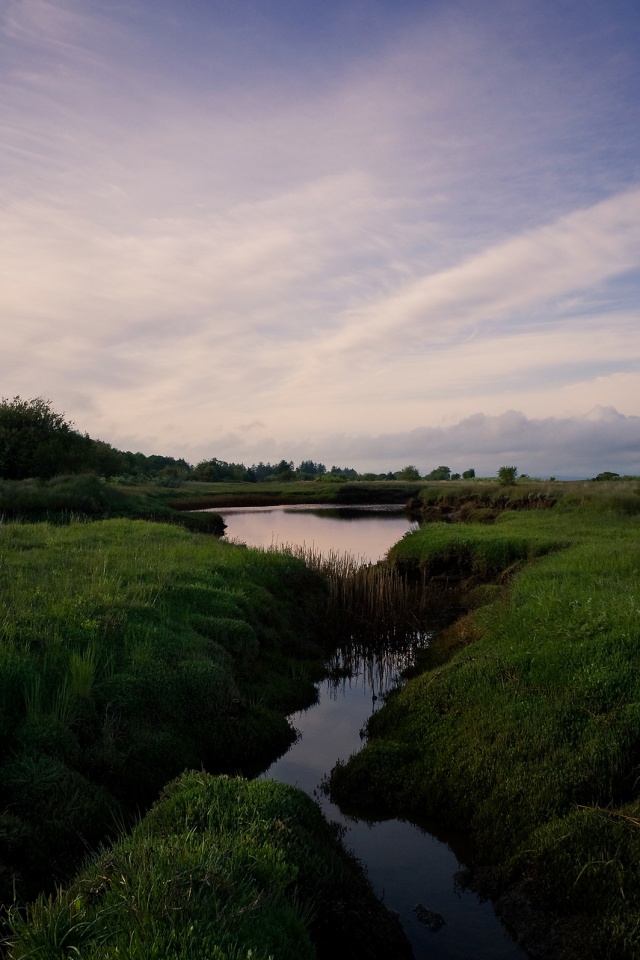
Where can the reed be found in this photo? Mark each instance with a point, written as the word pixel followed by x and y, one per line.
pixel 367 602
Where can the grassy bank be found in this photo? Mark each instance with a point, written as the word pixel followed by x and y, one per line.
pixel 202 495
pixel 88 497
pixel 219 868
pixel 526 733
pixel 129 651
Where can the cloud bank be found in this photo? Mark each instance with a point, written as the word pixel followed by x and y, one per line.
pixel 565 447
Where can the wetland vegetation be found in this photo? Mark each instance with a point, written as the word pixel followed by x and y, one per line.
pixel 131 650
pixel 524 729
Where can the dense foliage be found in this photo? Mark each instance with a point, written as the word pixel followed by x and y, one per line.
pixel 37 442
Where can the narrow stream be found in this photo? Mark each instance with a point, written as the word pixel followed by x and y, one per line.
pixel 407 865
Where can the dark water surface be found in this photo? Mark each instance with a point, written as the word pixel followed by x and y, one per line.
pixel 405 863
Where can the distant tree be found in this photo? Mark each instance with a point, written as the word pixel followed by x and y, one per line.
pixel 440 473
pixel 152 466
pixel 455 476
pixel 284 470
pixel 171 476
pixel 408 473
pixel 216 471
pixel 507 476
pixel 309 470
pixel 261 470
pixel 607 475
pixel 35 441
pixel 347 473
pixel 107 461
pixel 468 474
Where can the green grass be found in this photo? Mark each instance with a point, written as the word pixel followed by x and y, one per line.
pixel 129 651
pixel 87 497
pixel 528 735
pixel 192 495
pixel 219 868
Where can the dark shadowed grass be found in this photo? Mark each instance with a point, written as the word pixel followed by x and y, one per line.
pixel 219 868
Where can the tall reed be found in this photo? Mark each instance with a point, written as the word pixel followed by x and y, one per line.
pixel 367 601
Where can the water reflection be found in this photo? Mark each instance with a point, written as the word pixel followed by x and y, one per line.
pixel 378 668
pixel 365 532
pixel 407 865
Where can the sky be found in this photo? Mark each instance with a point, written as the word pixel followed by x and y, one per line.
pixel 367 232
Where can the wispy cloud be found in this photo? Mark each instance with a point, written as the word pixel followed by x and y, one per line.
pixel 206 224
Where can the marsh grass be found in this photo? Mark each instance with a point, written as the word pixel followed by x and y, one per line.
pixel 528 735
pixel 220 868
pixel 80 498
pixel 375 603
pixel 129 650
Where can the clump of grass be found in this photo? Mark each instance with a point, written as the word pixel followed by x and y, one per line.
pixel 222 868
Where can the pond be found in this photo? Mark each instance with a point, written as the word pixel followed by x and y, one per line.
pixel 407 865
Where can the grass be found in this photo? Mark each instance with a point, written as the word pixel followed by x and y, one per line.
pixel 86 497
pixel 195 496
pixel 220 868
pixel 527 732
pixel 128 651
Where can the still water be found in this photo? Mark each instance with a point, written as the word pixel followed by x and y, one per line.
pixel 364 532
pixel 407 866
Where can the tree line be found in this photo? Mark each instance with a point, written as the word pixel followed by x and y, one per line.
pixel 35 441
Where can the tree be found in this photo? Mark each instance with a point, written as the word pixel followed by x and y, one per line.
pixel 309 470
pixel 440 473
pixel 408 473
pixel 107 461
pixel 35 441
pixel 468 474
pixel 347 473
pixel 215 471
pixel 507 476
pixel 284 470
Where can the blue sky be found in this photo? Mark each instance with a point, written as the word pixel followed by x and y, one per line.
pixel 371 233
